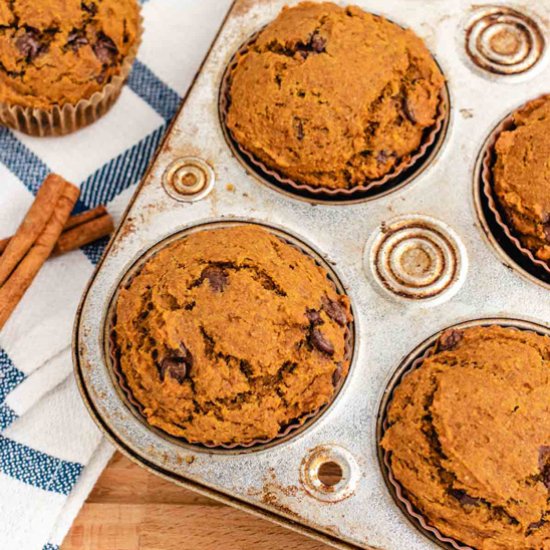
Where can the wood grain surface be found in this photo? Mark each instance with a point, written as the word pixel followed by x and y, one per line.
pixel 131 509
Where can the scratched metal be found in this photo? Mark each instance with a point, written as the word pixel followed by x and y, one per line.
pixel 272 481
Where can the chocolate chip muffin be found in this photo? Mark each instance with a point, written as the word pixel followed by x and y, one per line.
pixel 521 176
pixel 333 97
pixel 469 438
pixel 58 52
pixel 230 335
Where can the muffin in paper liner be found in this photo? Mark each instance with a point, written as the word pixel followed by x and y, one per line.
pixel 398 492
pixel 64 119
pixel 395 176
pixel 488 160
pixel 286 431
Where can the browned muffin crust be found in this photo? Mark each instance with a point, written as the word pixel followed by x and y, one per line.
pixel 333 97
pixel 469 438
pixel 228 335
pixel 54 52
pixel 522 176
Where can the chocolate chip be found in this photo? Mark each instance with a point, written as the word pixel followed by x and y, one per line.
pixel 318 43
pixel 105 49
pixel 321 343
pixel 544 465
pixel 90 7
pixel 337 375
pixel 314 317
pixel 449 339
pixel 217 277
pixel 463 497
pixel 298 128
pixel 29 44
pixel 383 156
pixel 409 110
pixel 76 39
pixel 176 365
pixel 536 525
pixel 336 311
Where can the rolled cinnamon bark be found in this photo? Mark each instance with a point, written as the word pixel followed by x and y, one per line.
pixel 81 229
pixel 83 234
pixel 33 224
pixel 19 279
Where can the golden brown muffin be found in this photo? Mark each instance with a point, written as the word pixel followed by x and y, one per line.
pixel 333 97
pixel 469 438
pixel 229 335
pixel 522 176
pixel 54 52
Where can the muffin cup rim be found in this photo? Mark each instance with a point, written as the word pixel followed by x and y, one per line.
pixel 487 187
pixel 423 351
pixel 120 379
pixel 66 118
pixel 322 192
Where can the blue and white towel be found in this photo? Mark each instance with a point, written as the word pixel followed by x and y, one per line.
pixel 51 453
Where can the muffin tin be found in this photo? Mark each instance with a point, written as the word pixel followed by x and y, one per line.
pixel 413 260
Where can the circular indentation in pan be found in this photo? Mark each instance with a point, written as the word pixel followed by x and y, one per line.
pixel 503 41
pixel 405 173
pixel 329 473
pixel 410 363
pixel 111 351
pixel 416 258
pixel 188 179
pixel 492 219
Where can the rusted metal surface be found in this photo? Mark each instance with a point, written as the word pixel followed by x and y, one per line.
pixel 279 481
pixel 504 41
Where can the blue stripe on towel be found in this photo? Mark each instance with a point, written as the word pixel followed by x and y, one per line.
pixel 161 97
pixel 121 172
pixel 7 416
pixel 36 468
pixel 50 546
pixel 94 250
pixel 10 376
pixel 20 160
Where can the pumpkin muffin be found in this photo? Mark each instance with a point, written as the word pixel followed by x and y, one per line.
pixel 469 438
pixel 521 176
pixel 228 336
pixel 333 97
pixel 58 52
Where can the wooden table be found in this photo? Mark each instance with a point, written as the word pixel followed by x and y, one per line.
pixel 131 509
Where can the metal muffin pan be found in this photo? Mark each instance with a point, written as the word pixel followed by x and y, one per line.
pixel 196 179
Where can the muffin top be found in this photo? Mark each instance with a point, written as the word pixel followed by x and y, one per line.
pixel 521 175
pixel 333 97
pixel 54 52
pixel 469 438
pixel 228 335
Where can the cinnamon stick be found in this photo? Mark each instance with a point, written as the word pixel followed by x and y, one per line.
pixel 20 278
pixel 81 229
pixel 33 224
pixel 82 234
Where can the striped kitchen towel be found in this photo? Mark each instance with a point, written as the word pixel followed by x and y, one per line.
pixel 51 453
